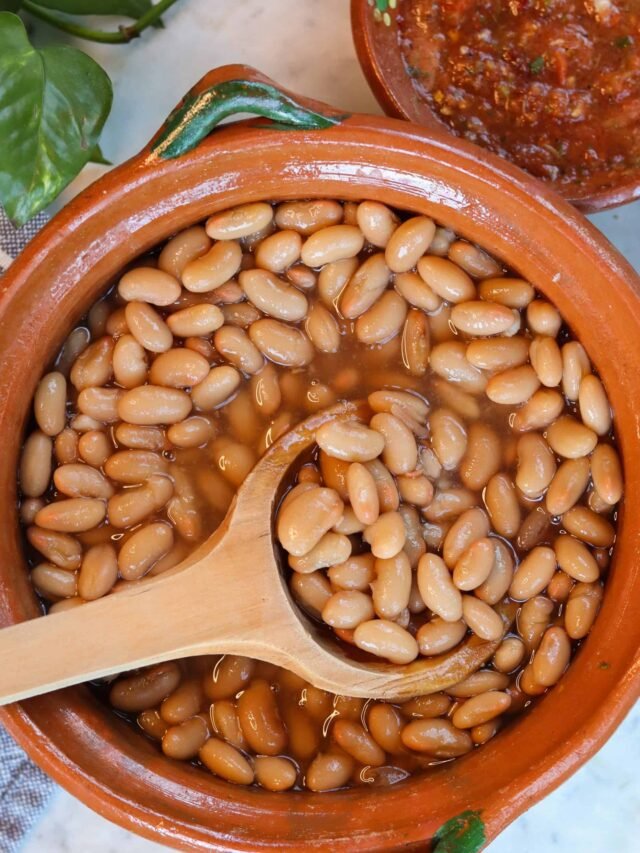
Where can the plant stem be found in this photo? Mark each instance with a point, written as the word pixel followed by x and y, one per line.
pixel 121 36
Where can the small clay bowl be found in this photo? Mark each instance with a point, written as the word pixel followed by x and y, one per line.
pixel 100 758
pixel 375 34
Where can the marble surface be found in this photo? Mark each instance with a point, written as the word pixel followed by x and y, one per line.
pixel 307 46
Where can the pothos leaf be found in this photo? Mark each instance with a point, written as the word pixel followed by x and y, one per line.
pixel 98 157
pixel 197 115
pixel 462 834
pixel 10 5
pixel 53 105
pixel 128 8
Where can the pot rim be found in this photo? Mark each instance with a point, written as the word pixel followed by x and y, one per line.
pixel 394 161
pixel 371 58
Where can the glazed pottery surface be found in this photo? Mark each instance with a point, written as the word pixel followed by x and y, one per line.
pixel 104 761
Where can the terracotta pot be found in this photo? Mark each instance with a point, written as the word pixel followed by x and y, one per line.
pixel 103 761
pixel 376 42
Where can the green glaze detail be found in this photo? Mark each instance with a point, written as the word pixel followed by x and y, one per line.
pixel 382 10
pixel 462 834
pixel 197 115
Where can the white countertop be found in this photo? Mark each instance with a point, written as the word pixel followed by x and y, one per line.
pixel 307 46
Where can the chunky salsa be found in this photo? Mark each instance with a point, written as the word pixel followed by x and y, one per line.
pixel 554 85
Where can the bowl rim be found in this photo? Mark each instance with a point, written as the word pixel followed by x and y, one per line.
pixel 362 30
pixel 392 161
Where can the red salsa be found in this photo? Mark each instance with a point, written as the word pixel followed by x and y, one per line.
pixel 553 85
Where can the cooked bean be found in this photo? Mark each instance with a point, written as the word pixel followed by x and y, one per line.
pixel 147 284
pixel 357 742
pixel 49 403
pixel 282 344
pixel 329 771
pixel 129 362
pixel 575 366
pixel 576 559
pixel 196 320
pixel 571 439
pixel 272 296
pixel 322 329
pixel 347 609
pixel 98 573
pixel 71 516
pixel 449 361
pixel 94 365
pixel 437 589
pixel 502 505
pixel 239 349
pixel 438 738
pixel 143 549
pixel 481 618
pixel 148 327
pixel 183 741
pixel 496 585
pixel 446 279
pixel 416 343
pixel 385 639
pixel 260 720
pixel 416 291
pixel 35 464
pixel 546 360
pixel 53 582
pixel 192 432
pixel 539 411
pixel 363 494
pixel 533 620
pixel 333 243
pixel 101 404
pixel 408 243
pixel 474 260
pixel 607 474
pixel 568 485
pixel 383 320
pixel 216 388
pixel 400 452
pixel 308 216
pixel 482 457
pixel 543 318
pixel 509 655
pixel 385 484
pixel 349 441
pixel 438 636
pixel 498 354
pixel 533 574
pixel 76 342
pixel 364 287
pixel 332 279
pixel 226 761
pixel 480 709
pixel 594 405
pixel 149 405
pixel 536 465
pixel 29 508
pixel 474 565
pixel 356 572
pixel 588 526
pixel 279 251
pixel 140 437
pixel 241 221
pixel 275 773
pixel 448 438
pixel 331 550
pixel 186 246
pixel 152 724
pixel 65 446
pixel 303 522
pixel 377 222
pixel 448 504
pixel 386 536
pixel 513 292
pixel 481 319
pixel 133 505
pixel 385 724
pixel 467 529
pixel 479 682
pixel 582 609
pixel 136 693
pixel 178 368
pixel 81 481
pixel 514 386
pixel 415 489
pixel 392 586
pixel 552 657
pixel 230 675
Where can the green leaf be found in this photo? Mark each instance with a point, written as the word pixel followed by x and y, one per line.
pixel 98 157
pixel 53 105
pixel 462 834
pixel 128 8
pixel 10 5
pixel 197 115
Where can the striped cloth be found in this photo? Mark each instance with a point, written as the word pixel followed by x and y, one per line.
pixel 24 788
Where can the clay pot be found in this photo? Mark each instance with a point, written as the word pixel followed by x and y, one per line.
pixel 102 760
pixel 376 40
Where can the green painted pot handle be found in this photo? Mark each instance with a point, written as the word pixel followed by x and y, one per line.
pixel 464 833
pixel 233 90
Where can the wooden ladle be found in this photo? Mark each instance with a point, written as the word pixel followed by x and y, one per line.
pixel 228 597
